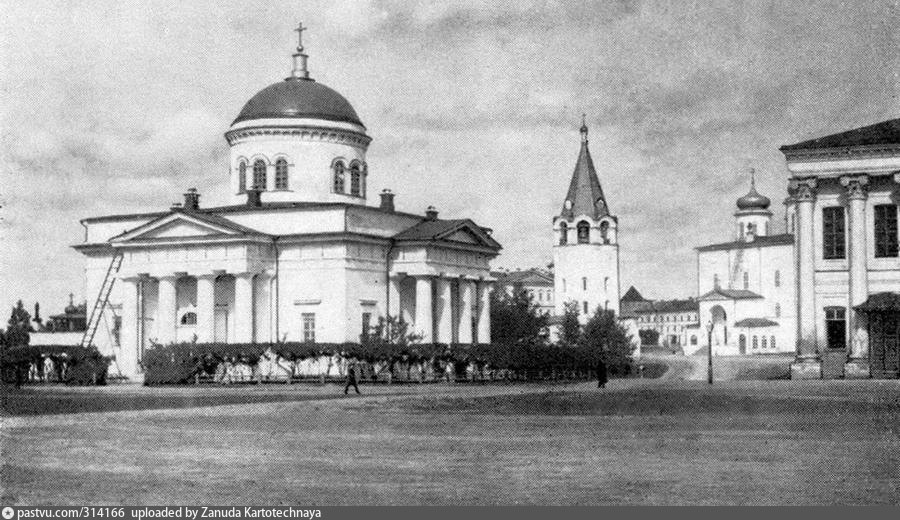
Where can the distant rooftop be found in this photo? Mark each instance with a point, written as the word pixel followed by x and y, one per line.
pixel 760 241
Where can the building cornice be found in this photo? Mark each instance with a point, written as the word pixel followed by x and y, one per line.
pixel 301 132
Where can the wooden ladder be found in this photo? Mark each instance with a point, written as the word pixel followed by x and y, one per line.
pixel 102 299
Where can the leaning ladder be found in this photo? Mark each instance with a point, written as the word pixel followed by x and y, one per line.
pixel 102 299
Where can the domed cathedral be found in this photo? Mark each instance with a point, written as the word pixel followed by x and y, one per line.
pixel 297 256
pixel 586 250
pixel 298 140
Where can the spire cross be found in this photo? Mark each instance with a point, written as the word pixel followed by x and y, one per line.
pixel 299 30
pixel 753 177
pixel 584 128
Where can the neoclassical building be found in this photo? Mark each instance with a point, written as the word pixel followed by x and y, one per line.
pixel 746 286
pixel 586 250
pixel 300 254
pixel 843 211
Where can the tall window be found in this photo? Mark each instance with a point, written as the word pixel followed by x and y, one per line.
pixel 242 177
pixel 885 231
pixel 366 324
pixel 772 342
pixel 777 310
pixel 281 174
pixel 746 280
pixel 836 327
pixel 585 308
pixel 259 175
pixel 604 232
pixel 584 232
pixel 584 284
pixel 777 278
pixel 339 177
pixel 833 230
pixel 309 327
pixel 755 342
pixel 563 234
pixel 355 180
pixel 716 281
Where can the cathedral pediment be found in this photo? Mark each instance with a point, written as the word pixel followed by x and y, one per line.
pixel 184 225
pixel 462 231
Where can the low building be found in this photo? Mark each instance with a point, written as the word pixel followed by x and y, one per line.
pixel 536 282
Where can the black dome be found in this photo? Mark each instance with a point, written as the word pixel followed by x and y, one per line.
pixel 296 97
pixel 753 200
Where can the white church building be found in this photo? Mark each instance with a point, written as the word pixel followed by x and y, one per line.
pixel 300 254
pixel 746 286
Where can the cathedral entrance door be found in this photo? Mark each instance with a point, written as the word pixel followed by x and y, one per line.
pixel 220 328
pixel 884 344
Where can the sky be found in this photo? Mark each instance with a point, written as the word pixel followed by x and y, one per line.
pixel 474 107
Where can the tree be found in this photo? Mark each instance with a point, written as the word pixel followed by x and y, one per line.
pixel 18 327
pixel 648 336
pixel 390 341
pixel 604 338
pixel 569 328
pixel 516 319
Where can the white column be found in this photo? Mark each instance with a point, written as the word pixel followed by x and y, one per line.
pixel 444 310
pixel 466 300
pixel 805 195
pixel 129 336
pixel 167 309
pixel 394 297
pixel 484 312
pixel 243 308
pixel 859 285
pixel 206 305
pixel 424 323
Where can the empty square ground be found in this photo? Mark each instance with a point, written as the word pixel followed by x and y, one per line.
pixel 637 442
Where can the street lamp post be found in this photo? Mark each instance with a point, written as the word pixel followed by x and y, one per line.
pixel 709 371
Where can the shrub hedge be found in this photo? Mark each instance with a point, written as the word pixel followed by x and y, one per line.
pixel 72 364
pixel 182 363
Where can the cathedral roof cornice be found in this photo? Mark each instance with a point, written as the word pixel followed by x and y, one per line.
pixel 310 133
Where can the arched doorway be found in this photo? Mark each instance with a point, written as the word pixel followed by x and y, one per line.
pixel 720 325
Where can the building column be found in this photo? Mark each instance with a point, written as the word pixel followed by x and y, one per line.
pixel 484 312
pixel 466 300
pixel 858 365
pixel 129 334
pixel 394 296
pixel 424 323
pixel 206 305
pixel 243 308
pixel 444 310
pixel 807 364
pixel 167 309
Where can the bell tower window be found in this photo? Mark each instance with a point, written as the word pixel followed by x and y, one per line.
pixel 563 234
pixel 604 232
pixel 281 174
pixel 259 175
pixel 584 232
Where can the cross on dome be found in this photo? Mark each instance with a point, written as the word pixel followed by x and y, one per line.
pixel 300 71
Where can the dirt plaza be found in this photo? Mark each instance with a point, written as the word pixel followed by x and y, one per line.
pixel 637 442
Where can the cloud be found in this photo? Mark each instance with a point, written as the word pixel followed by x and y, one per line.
pixel 118 107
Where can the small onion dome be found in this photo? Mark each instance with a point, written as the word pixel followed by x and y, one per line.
pixel 753 200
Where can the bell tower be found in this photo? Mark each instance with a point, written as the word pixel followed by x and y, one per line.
pixel 586 245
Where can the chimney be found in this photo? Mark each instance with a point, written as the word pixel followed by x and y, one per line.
pixel 253 198
pixel 387 200
pixel 192 200
pixel 431 213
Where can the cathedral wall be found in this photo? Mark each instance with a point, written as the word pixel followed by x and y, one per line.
pixel 288 222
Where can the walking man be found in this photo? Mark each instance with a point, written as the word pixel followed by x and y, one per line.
pixel 601 372
pixel 351 377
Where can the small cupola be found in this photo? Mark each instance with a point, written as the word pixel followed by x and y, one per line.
pixel 753 200
pixel 431 213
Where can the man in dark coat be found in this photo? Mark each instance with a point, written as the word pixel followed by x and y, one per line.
pixel 601 373
pixel 351 378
